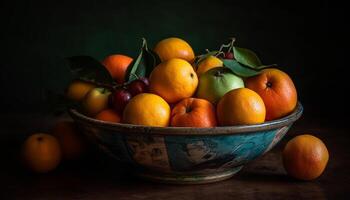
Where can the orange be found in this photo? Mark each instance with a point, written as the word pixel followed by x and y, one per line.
pixel 116 65
pixel 208 63
pixel 174 48
pixel 147 109
pixel 192 112
pixel 241 107
pixel 277 90
pixel 108 115
pixel 305 157
pixel 77 90
pixel 173 80
pixel 72 142
pixel 41 152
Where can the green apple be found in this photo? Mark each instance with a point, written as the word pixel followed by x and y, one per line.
pixel 95 101
pixel 216 82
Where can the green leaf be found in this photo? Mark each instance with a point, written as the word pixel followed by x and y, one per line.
pixel 246 57
pixel 143 65
pixel 89 69
pixel 266 66
pixel 239 69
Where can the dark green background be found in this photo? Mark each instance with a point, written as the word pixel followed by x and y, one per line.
pixel 37 36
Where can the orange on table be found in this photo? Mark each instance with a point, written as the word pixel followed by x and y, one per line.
pixel 108 115
pixel 77 90
pixel 41 152
pixel 208 63
pixel 72 142
pixel 305 157
pixel 193 112
pixel 174 48
pixel 277 90
pixel 147 109
pixel 173 80
pixel 116 65
pixel 240 107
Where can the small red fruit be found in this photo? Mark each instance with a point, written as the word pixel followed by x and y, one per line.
pixel 136 87
pixel 118 99
pixel 229 55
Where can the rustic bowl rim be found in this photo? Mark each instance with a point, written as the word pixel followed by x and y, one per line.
pixel 219 130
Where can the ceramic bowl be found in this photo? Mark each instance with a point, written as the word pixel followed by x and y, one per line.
pixel 185 155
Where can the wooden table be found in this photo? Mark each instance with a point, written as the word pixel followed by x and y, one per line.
pixel 96 177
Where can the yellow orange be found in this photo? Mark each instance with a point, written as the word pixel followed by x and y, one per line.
pixel 173 80
pixel 174 48
pixel 240 107
pixel 208 63
pixel 77 90
pixel 147 109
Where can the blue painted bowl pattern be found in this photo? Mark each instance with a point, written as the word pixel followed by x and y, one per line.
pixel 184 154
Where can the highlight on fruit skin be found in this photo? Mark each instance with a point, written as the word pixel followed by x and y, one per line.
pixel 95 101
pixel 208 63
pixel 277 90
pixel 174 47
pixel 305 157
pixel 173 80
pixel 193 112
pixel 41 153
pixel 147 109
pixel 240 106
pixel 117 65
pixel 216 82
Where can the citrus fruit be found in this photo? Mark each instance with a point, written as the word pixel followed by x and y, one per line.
pixel 41 152
pixel 108 115
pixel 116 65
pixel 173 80
pixel 147 109
pixel 174 48
pixel 77 90
pixel 208 63
pixel 240 107
pixel 305 157
pixel 277 90
pixel 192 112
pixel 72 142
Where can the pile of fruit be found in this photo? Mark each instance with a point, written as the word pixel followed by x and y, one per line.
pixel 170 86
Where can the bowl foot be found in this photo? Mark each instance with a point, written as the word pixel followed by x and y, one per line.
pixel 189 178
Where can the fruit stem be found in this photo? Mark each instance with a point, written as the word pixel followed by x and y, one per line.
pixel 231 44
pixel 218 73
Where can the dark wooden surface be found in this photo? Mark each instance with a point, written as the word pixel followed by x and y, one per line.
pixel 95 177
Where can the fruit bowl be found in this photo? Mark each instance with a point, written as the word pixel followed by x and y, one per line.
pixel 184 155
